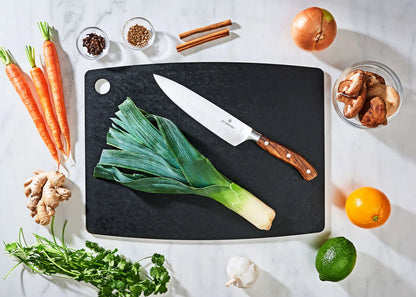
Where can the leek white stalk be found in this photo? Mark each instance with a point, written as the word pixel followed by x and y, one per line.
pixel 246 205
pixel 163 161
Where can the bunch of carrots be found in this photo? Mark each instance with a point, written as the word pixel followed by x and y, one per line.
pixel 53 108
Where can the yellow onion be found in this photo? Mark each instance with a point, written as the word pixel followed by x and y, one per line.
pixel 314 29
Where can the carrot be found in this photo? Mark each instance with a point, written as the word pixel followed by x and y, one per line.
pixel 54 75
pixel 41 87
pixel 16 77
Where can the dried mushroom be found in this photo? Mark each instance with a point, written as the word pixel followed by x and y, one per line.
pixel 352 84
pixel 373 113
pixel 388 94
pixel 344 99
pixel 373 79
pixel 351 110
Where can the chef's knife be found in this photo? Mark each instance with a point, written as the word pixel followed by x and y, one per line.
pixel 227 126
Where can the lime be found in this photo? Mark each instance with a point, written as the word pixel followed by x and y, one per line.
pixel 335 259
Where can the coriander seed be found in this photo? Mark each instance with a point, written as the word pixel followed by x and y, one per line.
pixel 138 35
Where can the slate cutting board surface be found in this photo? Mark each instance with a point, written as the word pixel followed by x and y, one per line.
pixel 286 103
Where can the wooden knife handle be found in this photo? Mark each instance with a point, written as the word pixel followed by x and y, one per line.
pixel 283 153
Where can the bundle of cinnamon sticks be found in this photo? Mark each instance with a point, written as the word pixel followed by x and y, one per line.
pixel 205 38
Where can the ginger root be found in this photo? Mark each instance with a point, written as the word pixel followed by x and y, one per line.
pixel 45 190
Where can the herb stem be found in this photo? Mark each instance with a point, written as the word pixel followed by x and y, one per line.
pixel 149 257
pixel 22 236
pixel 29 265
pixel 11 270
pixel 56 264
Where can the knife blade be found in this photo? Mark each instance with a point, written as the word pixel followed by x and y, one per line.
pixel 228 127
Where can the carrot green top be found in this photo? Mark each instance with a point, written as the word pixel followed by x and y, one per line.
pixel 45 29
pixel 30 53
pixel 6 56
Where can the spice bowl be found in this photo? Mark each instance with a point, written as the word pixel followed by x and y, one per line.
pixel 83 49
pixel 139 21
pixel 391 79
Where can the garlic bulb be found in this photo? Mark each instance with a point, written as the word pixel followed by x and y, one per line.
pixel 242 272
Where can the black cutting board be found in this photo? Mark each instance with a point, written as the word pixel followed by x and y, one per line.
pixel 285 103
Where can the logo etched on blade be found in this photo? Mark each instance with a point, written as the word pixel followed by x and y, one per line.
pixel 228 123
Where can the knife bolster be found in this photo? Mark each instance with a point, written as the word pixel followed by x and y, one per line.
pixel 254 135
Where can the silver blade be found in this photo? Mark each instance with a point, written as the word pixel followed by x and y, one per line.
pixel 208 114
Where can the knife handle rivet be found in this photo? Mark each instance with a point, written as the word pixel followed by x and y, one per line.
pixel 308 171
pixel 288 156
pixel 266 143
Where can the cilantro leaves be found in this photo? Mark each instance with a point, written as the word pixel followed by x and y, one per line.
pixel 112 274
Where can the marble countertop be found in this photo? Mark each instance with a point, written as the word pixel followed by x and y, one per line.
pixel 383 158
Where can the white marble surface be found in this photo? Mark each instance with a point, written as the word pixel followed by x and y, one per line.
pixel 384 158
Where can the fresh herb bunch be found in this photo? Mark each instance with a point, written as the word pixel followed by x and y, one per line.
pixel 109 272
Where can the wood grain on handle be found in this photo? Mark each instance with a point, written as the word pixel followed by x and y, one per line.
pixel 283 153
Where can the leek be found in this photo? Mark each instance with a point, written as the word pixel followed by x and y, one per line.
pixel 159 159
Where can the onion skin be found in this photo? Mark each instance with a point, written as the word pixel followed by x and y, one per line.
pixel 314 29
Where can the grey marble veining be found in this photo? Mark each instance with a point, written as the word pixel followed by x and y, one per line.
pixel 383 158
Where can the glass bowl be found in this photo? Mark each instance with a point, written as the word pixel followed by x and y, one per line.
pixel 83 50
pixel 141 22
pixel 389 76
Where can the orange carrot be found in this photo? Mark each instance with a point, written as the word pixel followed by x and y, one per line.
pixel 22 88
pixel 43 93
pixel 54 75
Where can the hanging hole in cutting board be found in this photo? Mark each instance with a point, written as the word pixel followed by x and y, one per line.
pixel 102 86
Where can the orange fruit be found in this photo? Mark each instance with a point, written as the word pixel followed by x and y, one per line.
pixel 368 207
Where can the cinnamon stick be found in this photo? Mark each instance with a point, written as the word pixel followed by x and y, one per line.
pixel 206 28
pixel 203 39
